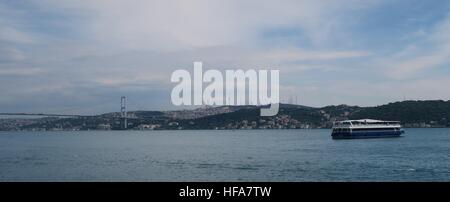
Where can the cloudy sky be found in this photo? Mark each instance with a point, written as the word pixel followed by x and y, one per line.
pixel 81 56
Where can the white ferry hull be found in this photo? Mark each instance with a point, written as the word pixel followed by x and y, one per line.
pixel 366 128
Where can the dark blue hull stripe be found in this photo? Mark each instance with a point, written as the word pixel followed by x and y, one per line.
pixel 358 135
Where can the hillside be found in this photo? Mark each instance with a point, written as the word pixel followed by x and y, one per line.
pixel 430 113
pixel 434 112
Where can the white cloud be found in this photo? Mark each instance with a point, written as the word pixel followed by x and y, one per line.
pixel 20 71
pixel 113 47
pixel 13 35
pixel 432 52
pixel 8 55
pixel 11 28
pixel 299 55
pixel 175 25
pixel 414 66
pixel 367 93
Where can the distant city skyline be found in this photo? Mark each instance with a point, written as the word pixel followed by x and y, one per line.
pixel 80 57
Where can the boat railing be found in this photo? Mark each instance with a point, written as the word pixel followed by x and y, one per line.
pixel 366 124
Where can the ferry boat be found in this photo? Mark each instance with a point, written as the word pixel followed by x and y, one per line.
pixel 366 128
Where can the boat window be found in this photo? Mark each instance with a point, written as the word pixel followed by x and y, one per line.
pixel 372 129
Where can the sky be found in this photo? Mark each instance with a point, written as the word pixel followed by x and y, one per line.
pixel 80 57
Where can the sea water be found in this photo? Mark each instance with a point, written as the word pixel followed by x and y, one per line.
pixel 222 155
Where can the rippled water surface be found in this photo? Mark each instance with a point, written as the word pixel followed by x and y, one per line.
pixel 241 155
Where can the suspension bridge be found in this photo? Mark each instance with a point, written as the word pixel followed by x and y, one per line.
pixel 123 113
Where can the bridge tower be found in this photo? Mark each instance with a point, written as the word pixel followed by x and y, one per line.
pixel 123 111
